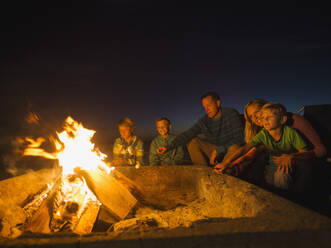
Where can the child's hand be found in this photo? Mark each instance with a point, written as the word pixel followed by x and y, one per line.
pixel 118 162
pixel 161 150
pixel 284 163
pixel 212 157
pixel 220 167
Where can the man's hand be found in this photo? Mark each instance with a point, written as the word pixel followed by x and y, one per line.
pixel 220 167
pixel 284 163
pixel 213 157
pixel 161 150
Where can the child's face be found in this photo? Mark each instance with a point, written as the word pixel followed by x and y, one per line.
pixel 254 113
pixel 125 132
pixel 271 120
pixel 163 127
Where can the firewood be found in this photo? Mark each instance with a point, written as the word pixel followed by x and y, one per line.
pixel 112 194
pixel 37 208
pixel 105 216
pixel 134 188
pixel 87 219
pixel 39 222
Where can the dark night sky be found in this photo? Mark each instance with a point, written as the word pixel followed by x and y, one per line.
pixel 104 60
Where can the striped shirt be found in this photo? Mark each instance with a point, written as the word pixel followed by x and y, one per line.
pixel 222 132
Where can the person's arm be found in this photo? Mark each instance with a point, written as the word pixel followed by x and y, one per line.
pixel 220 167
pixel 257 141
pixel 182 138
pixel 241 163
pixel 237 132
pixel 303 154
pixel 117 149
pixel 285 161
pixel 179 155
pixel 140 152
pixel 303 125
pixel 117 159
pixel 154 158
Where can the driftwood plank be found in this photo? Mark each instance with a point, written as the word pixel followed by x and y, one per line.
pixel 39 222
pixel 112 194
pixel 105 216
pixel 133 187
pixel 86 221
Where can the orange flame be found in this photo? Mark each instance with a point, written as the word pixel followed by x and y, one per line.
pixel 73 149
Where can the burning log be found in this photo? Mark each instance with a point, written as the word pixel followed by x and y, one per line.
pixel 66 205
pixel 87 219
pixel 36 208
pixel 70 202
pixel 134 188
pixel 39 222
pixel 37 211
pixel 112 194
pixel 33 202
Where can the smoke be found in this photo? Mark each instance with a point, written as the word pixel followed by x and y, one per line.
pixel 14 162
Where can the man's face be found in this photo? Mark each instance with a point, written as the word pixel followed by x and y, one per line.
pixel 163 127
pixel 271 121
pixel 211 107
pixel 125 132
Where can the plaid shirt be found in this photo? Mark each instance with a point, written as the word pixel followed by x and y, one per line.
pixel 132 152
pixel 223 132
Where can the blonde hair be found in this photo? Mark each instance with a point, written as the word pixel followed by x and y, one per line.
pixel 250 128
pixel 276 108
pixel 126 122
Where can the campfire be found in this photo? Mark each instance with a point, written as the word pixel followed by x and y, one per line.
pixel 84 182
pixel 154 202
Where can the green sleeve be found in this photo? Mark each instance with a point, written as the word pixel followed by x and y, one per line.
pixel 179 156
pixel 297 141
pixel 220 149
pixel 140 151
pixel 154 158
pixel 258 139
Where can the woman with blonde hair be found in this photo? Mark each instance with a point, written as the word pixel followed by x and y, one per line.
pixel 250 166
pixel 254 158
pixel 252 117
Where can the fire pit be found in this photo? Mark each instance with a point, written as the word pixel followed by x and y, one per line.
pixel 163 206
pixel 185 206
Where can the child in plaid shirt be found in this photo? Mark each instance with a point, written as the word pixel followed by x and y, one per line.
pixel 128 149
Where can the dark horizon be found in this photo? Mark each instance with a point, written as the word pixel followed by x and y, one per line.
pixel 100 62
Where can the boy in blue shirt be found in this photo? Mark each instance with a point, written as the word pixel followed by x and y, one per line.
pixel 172 157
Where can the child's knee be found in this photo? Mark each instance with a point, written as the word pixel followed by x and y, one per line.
pixel 282 180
